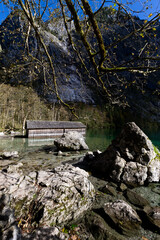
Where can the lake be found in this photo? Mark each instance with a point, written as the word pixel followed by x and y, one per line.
pixel 96 139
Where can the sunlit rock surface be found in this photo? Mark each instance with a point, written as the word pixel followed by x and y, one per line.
pixel 123 215
pixel 50 197
pixel 131 158
pixel 71 141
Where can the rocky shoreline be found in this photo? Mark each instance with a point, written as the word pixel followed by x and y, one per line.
pixel 112 195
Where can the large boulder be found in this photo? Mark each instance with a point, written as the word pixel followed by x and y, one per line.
pixel 49 197
pixel 131 158
pixel 71 141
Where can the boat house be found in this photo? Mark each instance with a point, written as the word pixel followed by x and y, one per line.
pixel 52 129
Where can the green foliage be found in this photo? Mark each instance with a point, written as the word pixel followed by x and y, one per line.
pixel 156 151
pixel 18 104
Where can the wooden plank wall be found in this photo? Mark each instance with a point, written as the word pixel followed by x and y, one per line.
pixel 51 133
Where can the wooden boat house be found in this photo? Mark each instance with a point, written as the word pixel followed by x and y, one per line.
pixel 52 129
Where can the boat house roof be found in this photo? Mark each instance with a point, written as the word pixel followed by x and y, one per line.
pixel 53 125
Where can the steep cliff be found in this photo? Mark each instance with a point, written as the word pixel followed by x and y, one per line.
pixel 140 92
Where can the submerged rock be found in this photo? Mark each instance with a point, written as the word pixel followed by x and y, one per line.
pixel 8 155
pixel 136 199
pixel 131 158
pixel 72 141
pixel 50 197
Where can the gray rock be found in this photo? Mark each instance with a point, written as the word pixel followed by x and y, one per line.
pixel 154 170
pixel 94 227
pixel 46 233
pixel 72 141
pixel 109 190
pixel 123 216
pixel 8 155
pixel 15 168
pixel 153 215
pixel 134 174
pixel 123 187
pixel 150 193
pixel 60 153
pixel 51 197
pixel 136 199
pixel 117 171
pixel 131 158
pixel 134 145
pixel 8 224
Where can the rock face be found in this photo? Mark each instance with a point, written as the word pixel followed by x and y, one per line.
pixel 12 43
pixel 74 85
pixel 52 197
pixel 72 141
pixel 131 158
pixel 123 215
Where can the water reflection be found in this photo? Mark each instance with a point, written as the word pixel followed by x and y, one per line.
pixel 96 139
pixel 99 139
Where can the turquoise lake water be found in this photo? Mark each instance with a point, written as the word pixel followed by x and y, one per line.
pixel 100 139
pixel 96 139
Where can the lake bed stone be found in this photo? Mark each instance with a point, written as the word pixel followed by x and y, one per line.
pixel 136 198
pixel 8 155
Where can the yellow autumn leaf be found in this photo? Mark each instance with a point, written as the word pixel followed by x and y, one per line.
pixel 150 15
pixel 142 35
pixel 145 21
pixel 144 238
pixel 19 223
pixel 154 29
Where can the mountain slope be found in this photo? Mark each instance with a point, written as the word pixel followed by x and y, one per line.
pixel 140 92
